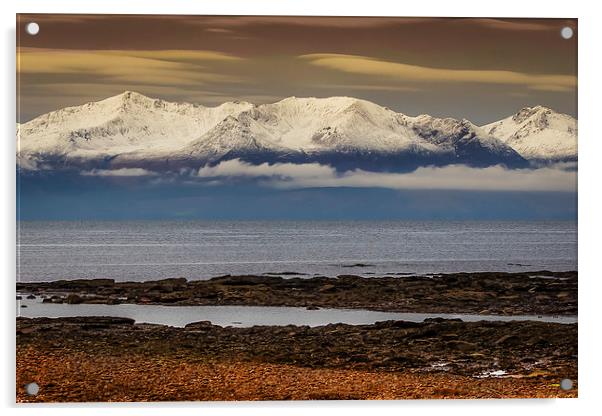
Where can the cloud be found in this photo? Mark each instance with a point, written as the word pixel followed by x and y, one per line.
pixel 236 167
pixel 513 25
pixel 551 88
pixel 62 18
pixel 368 66
pixel 219 30
pixel 454 177
pixel 367 87
pixel 353 22
pixel 162 68
pixel 350 22
pixel 123 172
pixel 57 78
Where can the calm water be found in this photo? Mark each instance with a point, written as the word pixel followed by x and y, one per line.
pixel 145 250
pixel 246 316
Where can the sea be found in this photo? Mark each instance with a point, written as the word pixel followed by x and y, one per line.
pixel 149 250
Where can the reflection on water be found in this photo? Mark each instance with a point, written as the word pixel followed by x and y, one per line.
pixel 246 316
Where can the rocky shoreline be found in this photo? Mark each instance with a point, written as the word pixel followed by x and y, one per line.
pixel 103 358
pixel 541 292
pixel 538 354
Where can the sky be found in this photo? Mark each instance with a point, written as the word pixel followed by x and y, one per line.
pixel 476 68
pixel 480 69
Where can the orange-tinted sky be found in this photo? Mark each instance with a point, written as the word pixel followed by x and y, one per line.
pixel 476 68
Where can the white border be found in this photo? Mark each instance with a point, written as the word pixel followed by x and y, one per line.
pixel 590 152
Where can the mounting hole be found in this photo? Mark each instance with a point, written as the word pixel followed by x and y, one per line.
pixel 566 384
pixel 566 32
pixel 32 389
pixel 32 28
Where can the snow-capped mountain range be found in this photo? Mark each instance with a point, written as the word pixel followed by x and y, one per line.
pixel 132 130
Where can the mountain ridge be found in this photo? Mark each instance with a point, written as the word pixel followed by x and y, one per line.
pixel 132 130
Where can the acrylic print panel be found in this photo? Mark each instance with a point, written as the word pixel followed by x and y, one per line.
pixel 294 208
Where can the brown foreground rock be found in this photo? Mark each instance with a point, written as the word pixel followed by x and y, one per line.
pixel 87 378
pixel 541 292
pixel 113 359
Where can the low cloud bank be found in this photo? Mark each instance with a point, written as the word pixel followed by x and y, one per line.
pixel 453 177
pixel 123 172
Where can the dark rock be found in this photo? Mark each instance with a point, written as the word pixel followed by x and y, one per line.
pixel 97 320
pixel 462 346
pixel 73 299
pixel 507 339
pixel 83 283
pixel 200 325
pixel 397 324
pixel 174 281
pixel 245 280
pixel 386 346
pixel 327 288
pixel 491 292
pixel 440 320
pixel 357 265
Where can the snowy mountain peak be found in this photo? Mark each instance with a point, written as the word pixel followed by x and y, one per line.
pixel 530 112
pixel 336 103
pixel 123 124
pixel 538 133
pixel 132 96
pixel 128 99
pixel 333 123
